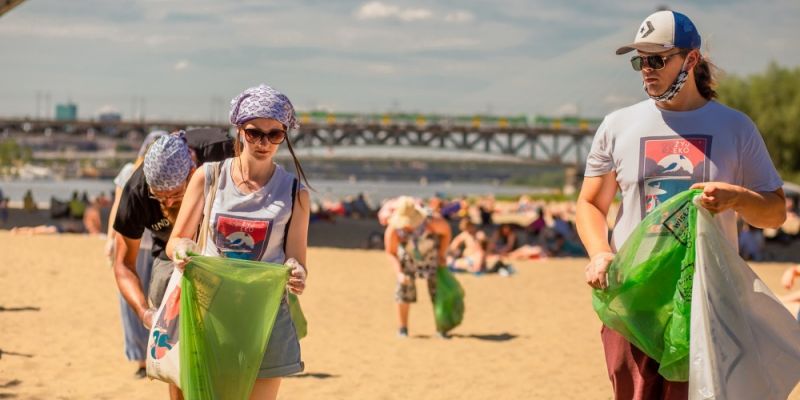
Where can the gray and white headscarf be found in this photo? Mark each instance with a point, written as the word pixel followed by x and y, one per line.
pixel 263 102
pixel 168 162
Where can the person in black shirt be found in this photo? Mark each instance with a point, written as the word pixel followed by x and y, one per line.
pixel 151 200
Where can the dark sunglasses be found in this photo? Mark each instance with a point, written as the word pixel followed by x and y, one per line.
pixel 655 61
pixel 163 198
pixel 275 136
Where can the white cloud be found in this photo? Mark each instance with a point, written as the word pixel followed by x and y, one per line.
pixel 107 108
pixel 181 65
pixel 414 14
pixel 382 69
pixel 459 16
pixel 567 109
pixel 379 10
pixel 527 56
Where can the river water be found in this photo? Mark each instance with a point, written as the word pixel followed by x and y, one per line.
pixel 375 191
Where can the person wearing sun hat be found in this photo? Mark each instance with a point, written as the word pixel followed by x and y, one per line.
pixel 416 244
pixel 679 138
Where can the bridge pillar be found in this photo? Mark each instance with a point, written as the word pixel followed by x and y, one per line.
pixel 570 180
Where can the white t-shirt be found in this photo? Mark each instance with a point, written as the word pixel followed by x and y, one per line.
pixel 250 226
pixel 657 153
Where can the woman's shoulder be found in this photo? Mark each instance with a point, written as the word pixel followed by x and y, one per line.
pixel 287 178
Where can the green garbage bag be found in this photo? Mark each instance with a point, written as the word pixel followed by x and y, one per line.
pixel 298 318
pixel 228 309
pixel 448 304
pixel 648 299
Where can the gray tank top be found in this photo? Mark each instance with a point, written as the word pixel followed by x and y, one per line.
pixel 250 226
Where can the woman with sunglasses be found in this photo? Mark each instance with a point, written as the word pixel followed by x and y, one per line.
pixel 260 212
pixel 679 138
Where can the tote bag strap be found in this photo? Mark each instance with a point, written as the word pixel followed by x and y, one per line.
pixel 211 192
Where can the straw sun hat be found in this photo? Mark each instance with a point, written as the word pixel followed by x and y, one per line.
pixel 406 214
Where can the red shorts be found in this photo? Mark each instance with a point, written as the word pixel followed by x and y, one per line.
pixel 634 375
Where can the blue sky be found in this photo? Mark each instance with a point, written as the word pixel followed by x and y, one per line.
pixel 188 58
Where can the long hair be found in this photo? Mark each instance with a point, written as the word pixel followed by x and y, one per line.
pixel 705 77
pixel 237 150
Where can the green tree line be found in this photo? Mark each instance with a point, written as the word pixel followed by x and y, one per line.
pixel 772 100
pixel 11 152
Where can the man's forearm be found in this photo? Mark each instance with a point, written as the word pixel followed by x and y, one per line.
pixel 130 288
pixel 761 209
pixel 592 228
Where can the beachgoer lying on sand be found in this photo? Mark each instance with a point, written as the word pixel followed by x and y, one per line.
pixel 90 224
pixel 46 229
pixel 468 248
pixel 503 244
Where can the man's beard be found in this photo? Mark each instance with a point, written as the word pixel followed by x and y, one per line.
pixel 170 213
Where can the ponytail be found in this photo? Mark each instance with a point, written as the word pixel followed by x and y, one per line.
pixel 705 77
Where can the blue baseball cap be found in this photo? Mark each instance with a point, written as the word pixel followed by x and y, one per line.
pixel 664 30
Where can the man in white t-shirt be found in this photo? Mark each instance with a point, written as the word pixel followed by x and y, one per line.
pixel 679 138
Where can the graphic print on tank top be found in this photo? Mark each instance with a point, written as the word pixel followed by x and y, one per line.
pixel 241 237
pixel 670 165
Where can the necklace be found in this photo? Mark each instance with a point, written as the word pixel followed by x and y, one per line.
pixel 249 184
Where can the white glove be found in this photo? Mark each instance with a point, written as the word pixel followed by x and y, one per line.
pixel 597 270
pixel 183 247
pixel 109 248
pixel 297 276
pixel 147 317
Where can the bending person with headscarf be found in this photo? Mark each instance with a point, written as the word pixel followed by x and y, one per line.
pixel 150 201
pixel 134 333
pixel 259 203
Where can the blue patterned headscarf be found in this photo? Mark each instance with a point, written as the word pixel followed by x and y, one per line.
pixel 168 162
pixel 263 102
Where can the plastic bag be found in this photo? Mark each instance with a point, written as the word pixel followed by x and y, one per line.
pixel 648 299
pixel 298 318
pixel 448 305
pixel 744 344
pixel 163 354
pixel 228 309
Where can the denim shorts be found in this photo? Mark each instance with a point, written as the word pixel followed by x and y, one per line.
pixel 282 357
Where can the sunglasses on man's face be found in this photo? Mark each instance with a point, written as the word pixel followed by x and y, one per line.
pixel 274 136
pixel 655 61
pixel 174 195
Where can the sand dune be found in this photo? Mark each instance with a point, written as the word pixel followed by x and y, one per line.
pixel 532 336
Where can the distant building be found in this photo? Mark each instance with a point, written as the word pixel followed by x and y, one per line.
pixel 110 116
pixel 66 112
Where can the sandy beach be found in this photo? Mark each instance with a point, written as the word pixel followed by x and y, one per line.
pixel 532 336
